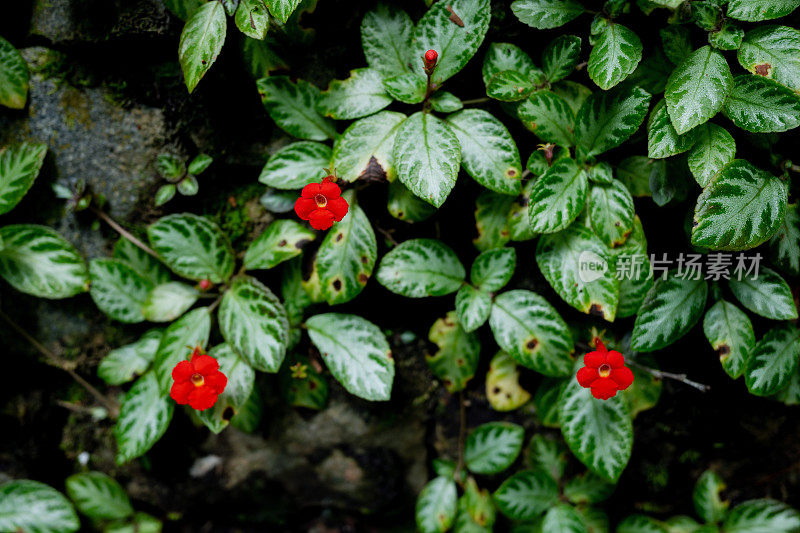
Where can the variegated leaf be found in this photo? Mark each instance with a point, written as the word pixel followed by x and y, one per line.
pixel 296 165
pixel 762 105
pixel 755 10
pixel 421 267
pixel 359 95
pixel 502 384
pixel 548 116
pixel 509 86
pixel 773 361
pixel 730 333
pixel 282 9
pixel 144 416
pixel 19 166
pixel 506 56
pixel 292 107
pixel 472 307
pixel 13 76
pixel 632 268
pixel 526 494
pixel 492 447
pixel 662 139
pixel 402 204
pixel 546 14
pixel 616 52
pixel 409 87
pixel 607 119
pixel 457 357
pixel 142 262
pixel 126 362
pixel 762 516
pixel 118 290
pixel 713 149
pixel 436 505
pixel 168 301
pixel 766 294
pixel 560 57
pixel 364 150
pixel 238 389
pixel 773 52
pixel 30 506
pixel 697 89
pixel 558 196
pixel 491 220
pixel 386 39
pixel 201 42
pixel 786 241
pixel 493 269
pixel 281 241
pixel 611 212
pixel 177 342
pixel 98 496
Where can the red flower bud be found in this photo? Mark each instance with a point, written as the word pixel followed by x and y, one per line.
pixel 204 284
pixel 321 204
pixel 605 372
pixel 198 382
pixel 429 59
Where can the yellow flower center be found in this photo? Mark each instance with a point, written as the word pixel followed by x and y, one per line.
pixel 198 380
pixel 604 371
pixel 321 200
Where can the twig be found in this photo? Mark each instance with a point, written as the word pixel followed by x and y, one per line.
pixel 659 374
pixel 53 360
pixel 125 233
pixel 387 234
pixel 214 304
pixel 462 432
pixel 475 101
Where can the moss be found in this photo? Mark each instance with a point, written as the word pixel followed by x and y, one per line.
pixel 238 213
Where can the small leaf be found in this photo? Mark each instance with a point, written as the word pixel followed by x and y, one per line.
pixel 546 401
pixel 532 332
pixel 126 362
pixel 98 496
pixel 607 119
pixel 281 241
pixel 493 447
pixel 192 246
pixel 296 165
pixel 548 116
pixel 526 494
pixel 359 95
pixel 168 301
pixel 697 89
pixel 491 220
pixel 201 42
pixel 786 241
pixel 445 102
pixel 519 221
pixel 766 294
pixel 118 290
pixel 740 209
pixel 427 155
pixel 252 19
pixel 762 105
pixel 144 414
pixel 728 37
pixel 506 56
pixel 662 139
pixel 472 307
pixel 730 333
pixel 599 432
pixel 303 388
pixel 493 269
pixel 616 52
pixel 587 488
pixel 436 506
pixel 560 57
pixel 356 353
pixel 755 10
pixel 164 194
pixel 634 172
pixel 421 267
pixel 292 107
pixel 254 323
pixel 177 342
pixel 488 152
pixel 409 87
pixel 563 518
pixel 502 384
pixel 558 196
pixel 676 42
pixel 706 498
pixel 36 260
pixel 457 357
pixel 32 506
pixel 632 268
pixel 548 453
pixel 509 86
pixel 668 312
pixel 19 166
pixel 402 204
pixel 188 186
pixel 364 150
pixel 282 9
pixel 546 14
pixel 712 151
pixel 386 37
pixel 773 52
pixel 762 516
pixel 13 76
pixel 238 389
pixel 611 212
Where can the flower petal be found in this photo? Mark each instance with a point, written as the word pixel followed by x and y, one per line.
pixel 321 219
pixel 587 375
pixel 623 376
pixel 599 346
pixel 330 190
pixel 180 391
pixel 338 207
pixel 201 398
pixel 311 190
pixel 594 359
pixel 303 207
pixel 615 359
pixel 205 364
pixel 217 381
pixel 182 371
pixel 604 388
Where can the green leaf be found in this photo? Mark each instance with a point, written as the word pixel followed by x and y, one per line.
pixel 138 523
pixel 188 186
pixel 296 165
pixel 576 263
pixel 118 290
pixel 98 496
pixel 762 105
pixel 607 119
pixel 668 312
pixel 170 166
pixel 445 102
pixel 427 155
pixel 356 353
pixel 697 89
pixel 532 332
pixel 740 209
pixel 730 333
pixel 282 9
pixel 32 506
pixel 436 506
pixel 548 453
pixel 676 41
pixel 472 307
pixel 765 294
pixel 201 42
pixel 706 498
pixel 506 56
pixel 164 194
pixel 183 9
pixel 36 260
pixel 773 52
pixel 364 150
pixel 126 362
pixel 292 107
pixel 786 241
pixel 168 301
pixel 563 518
pixel 199 164
pixel 476 511
pixel 421 267
pixel 662 139
pixel 587 488
pixel 409 88
pixel 493 447
pixel 191 330
pixel 254 323
pixel 560 57
pixel 19 166
pixel 762 516
pixel 491 220
pixel 502 384
pixel 359 95
pixel 526 494
pixel 599 432
pixel 488 152
pixel 546 401
pixel 509 86
pixel 644 392
pixel 635 173
pixel 386 37
pixel 249 416
pixel 546 14
pixel 402 204
pixel 252 18
pixel 303 386
pixel 519 221
pixel 713 150
pixel 193 247
pixel 13 77
pixel 616 52
pixel 455 43
pixel 259 57
pixel 493 269
pixel 642 524
pixel 238 389
pixel 548 116
pixel 558 196
pixel 457 357
pixel 728 37
pixel 144 263
pixel 611 212
pixel 755 10
pixel 144 415
pixel 574 94
pixel 632 268
pixel 281 241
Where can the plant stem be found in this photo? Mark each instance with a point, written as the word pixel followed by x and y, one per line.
pixel 53 360
pixel 475 101
pixel 125 233
pixel 215 303
pixel 462 432
pixel 670 375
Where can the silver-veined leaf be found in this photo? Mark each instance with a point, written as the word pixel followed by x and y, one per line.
pixel 118 290
pixel 409 88
pixel 30 506
pixel 526 494
pixel 611 212
pixel 560 57
pixel 762 516
pixel 714 148
pixel 761 105
pixel 564 518
pixel 607 118
pixel 786 241
pixel 558 196
pixel 730 333
pixel 421 267
pixel 177 342
pixel 385 38
pixel 766 294
pixel 588 488
pixel 364 150
pixel 546 14
pixel 402 204
pixel 506 56
pixel 238 389
pixel 252 19
pixel 706 498
pixel 359 95
pixel 457 357
pixel 697 89
pixel 98 496
pixel 632 269
pixel 492 269
pixel 296 165
pixel 502 384
pixel 19 166
pixel 201 42
pixel 491 220
pixel 662 139
pixel 509 86
pixel 774 52
pixel 445 102
pixel 492 447
pixel 548 116
pixel 144 415
pixel 13 76
pixel 282 9
pixel 574 94
pixel 293 108
pixel 356 353
pixel 282 240
pixel 126 362
pixel 141 261
pixel 756 10
pixel 616 52
pixel 472 307
pixel 168 301
pixel 436 506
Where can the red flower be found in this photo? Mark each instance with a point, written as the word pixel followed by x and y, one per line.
pixel 205 284
pixel 429 59
pixel 605 372
pixel 198 382
pixel 321 204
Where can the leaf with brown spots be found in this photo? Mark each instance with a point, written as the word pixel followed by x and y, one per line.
pixel 457 357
